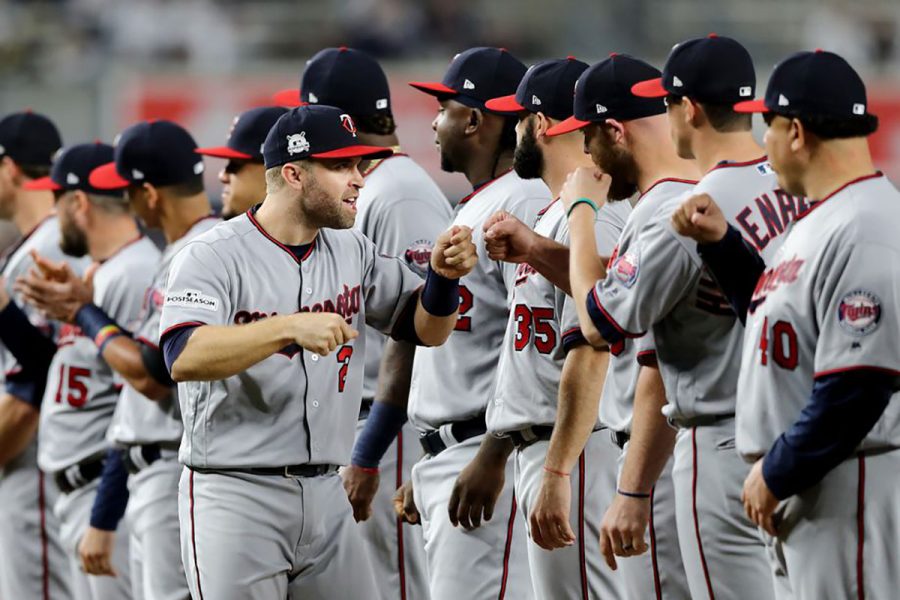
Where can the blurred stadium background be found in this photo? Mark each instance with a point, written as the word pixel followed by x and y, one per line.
pixel 95 66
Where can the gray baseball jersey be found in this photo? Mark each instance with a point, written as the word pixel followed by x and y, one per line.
pixel 138 420
pixel 662 283
pixel 827 304
pixel 82 390
pixel 294 407
pixel 403 211
pixel 617 400
pixel 455 381
pixel 542 321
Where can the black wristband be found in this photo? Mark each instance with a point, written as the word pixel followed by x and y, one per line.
pixel 440 296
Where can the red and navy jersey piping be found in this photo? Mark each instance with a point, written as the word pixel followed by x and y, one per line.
pixel 265 234
pixel 666 180
pixel 482 186
pixel 815 205
pixel 726 164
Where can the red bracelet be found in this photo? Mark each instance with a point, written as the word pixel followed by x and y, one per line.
pixel 555 472
pixel 369 470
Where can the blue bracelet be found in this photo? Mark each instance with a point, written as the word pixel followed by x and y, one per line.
pixel 440 296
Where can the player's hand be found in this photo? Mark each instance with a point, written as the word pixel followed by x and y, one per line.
pixel 585 182
pixel 507 238
pixel 476 491
pixel 95 551
pixel 622 528
pixel 321 332
pixel 4 295
pixel 700 219
pixel 549 519
pixel 405 504
pixel 759 501
pixel 360 486
pixel 454 254
pixel 55 290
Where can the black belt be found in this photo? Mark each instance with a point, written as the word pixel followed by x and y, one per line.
pixel 523 438
pixel 139 457
pixel 285 471
pixel 78 476
pixel 619 438
pixel 433 443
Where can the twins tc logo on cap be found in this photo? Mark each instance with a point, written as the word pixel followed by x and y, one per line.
pixel 859 312
pixel 297 143
pixel 348 124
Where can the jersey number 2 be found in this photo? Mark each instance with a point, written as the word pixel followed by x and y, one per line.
pixel 466 302
pixel 783 343
pixel 73 378
pixel 343 357
pixel 535 321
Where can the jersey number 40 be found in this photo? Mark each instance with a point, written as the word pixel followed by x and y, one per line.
pixel 783 344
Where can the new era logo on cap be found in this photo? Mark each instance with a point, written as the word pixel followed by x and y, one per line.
pixel 677 82
pixel 535 100
pixel 468 85
pixel 72 179
pixel 313 98
pixel 783 101
pixel 601 109
pixel 315 131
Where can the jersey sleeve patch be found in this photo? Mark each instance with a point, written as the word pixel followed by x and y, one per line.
pixel 196 299
pixel 418 255
pixel 859 312
pixel 626 267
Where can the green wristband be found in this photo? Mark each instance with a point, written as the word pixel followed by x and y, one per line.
pixel 587 201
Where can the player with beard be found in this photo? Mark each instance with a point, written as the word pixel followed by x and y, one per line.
pixel 452 385
pixel 82 389
pixel 546 395
pixel 243 176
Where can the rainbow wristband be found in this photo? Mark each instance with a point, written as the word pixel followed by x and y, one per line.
pixel 587 201
pixel 106 335
pixel 97 325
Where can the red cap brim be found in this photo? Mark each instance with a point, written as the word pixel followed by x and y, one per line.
pixel 105 177
pixel 652 88
pixel 44 183
pixel 751 106
pixel 434 88
pixel 569 125
pixel 288 98
pixel 504 104
pixel 223 152
pixel 356 151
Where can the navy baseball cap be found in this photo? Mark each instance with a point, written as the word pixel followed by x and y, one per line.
pixel 72 168
pixel 476 76
pixel 316 131
pixel 157 152
pixel 343 77
pixel 818 83
pixel 604 92
pixel 247 134
pixel 546 87
pixel 713 69
pixel 29 138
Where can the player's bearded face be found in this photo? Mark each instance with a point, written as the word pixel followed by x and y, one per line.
pixel 330 190
pixel 72 240
pixel 613 159
pixel 528 160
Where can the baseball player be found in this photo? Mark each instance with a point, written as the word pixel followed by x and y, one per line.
pixel 661 284
pixel 817 411
pixel 156 163
pixel 628 139
pixel 82 390
pixel 267 375
pixel 452 385
pixel 243 176
pixel 403 212
pixel 33 564
pixel 564 463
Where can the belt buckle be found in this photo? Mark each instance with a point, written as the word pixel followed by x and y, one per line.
pixel 287 472
pixel 431 442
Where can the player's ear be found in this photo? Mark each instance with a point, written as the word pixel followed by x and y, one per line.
pixel 293 175
pixel 617 130
pixel 80 203
pixel 151 195
pixel 476 118
pixel 541 124
pixel 692 111
pixel 797 136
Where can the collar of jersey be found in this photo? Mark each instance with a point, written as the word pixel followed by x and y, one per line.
pixel 814 205
pixel 724 164
pixel 666 180
pixel 312 244
pixel 377 162
pixel 481 186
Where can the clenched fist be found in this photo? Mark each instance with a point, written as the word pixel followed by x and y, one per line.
pixel 321 332
pixel 507 238
pixel 454 254
pixel 585 182
pixel 700 219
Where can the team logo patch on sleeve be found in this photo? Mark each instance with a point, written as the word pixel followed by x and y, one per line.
pixel 192 299
pixel 418 255
pixel 859 312
pixel 626 268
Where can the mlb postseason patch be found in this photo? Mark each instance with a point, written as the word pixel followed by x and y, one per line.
pixel 626 267
pixel 859 312
pixel 192 299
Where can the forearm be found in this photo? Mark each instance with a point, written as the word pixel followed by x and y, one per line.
pixel 395 373
pixel 580 387
pixel 216 352
pixel 18 425
pixel 123 355
pixel 494 450
pixel 736 267
pixel 586 268
pixel 551 259
pixel 652 439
